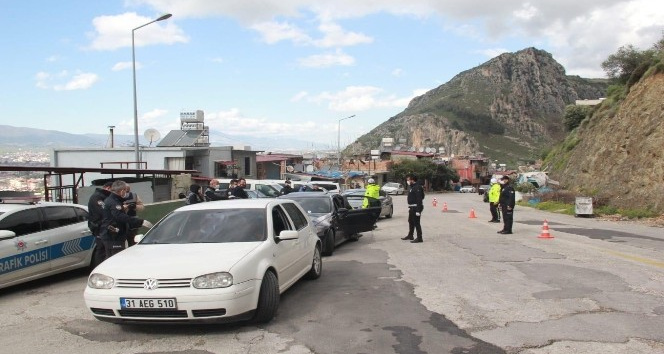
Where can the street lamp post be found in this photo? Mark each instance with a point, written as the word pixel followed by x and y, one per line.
pixel 339 141
pixel 133 61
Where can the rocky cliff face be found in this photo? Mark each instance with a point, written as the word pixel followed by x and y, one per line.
pixel 507 108
pixel 618 153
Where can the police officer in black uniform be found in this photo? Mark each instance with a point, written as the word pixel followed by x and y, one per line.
pixel 507 201
pixel 415 207
pixel 238 191
pixel 95 216
pixel 116 223
pixel 211 191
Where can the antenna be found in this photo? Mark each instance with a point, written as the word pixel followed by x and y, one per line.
pixel 152 135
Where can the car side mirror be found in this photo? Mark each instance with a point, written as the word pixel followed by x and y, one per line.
pixel 138 238
pixel 288 235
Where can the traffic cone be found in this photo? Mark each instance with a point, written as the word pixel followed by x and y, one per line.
pixel 435 202
pixel 444 207
pixel 472 214
pixel 545 230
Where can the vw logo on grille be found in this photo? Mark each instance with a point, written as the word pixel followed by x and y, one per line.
pixel 151 284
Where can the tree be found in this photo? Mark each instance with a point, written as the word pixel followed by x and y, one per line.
pixel 621 65
pixel 425 170
pixel 574 115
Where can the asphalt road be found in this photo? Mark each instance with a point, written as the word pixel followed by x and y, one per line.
pixel 595 287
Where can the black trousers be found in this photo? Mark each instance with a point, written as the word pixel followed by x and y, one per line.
pixel 414 223
pixel 113 247
pixel 493 208
pixel 508 218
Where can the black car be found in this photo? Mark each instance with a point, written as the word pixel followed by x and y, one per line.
pixel 334 217
pixel 386 207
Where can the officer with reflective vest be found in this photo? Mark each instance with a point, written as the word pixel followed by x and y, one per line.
pixel 372 191
pixel 494 196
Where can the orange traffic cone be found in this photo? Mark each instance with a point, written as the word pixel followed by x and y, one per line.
pixel 435 202
pixel 444 206
pixel 545 230
pixel 472 214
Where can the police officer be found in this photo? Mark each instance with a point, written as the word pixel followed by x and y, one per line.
pixel 415 207
pixel 287 188
pixel 95 216
pixel 494 196
pixel 507 201
pixel 372 191
pixel 211 191
pixel 116 223
pixel 238 191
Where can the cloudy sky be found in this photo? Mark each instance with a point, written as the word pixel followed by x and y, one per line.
pixel 288 69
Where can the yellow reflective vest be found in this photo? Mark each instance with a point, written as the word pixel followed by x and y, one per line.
pixel 373 191
pixel 494 193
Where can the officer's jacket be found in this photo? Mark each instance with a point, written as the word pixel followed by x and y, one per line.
pixel 415 197
pixel 96 209
pixel 507 197
pixel 116 223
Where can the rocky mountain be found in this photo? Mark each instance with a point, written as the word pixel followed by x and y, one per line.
pixel 508 108
pixel 616 154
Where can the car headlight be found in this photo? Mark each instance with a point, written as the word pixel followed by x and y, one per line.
pixel 100 281
pixel 213 280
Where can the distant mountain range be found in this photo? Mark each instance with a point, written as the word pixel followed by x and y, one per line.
pixel 20 137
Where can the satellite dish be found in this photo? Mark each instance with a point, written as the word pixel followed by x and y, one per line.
pixel 290 169
pixel 152 135
pixel 421 149
pixel 411 149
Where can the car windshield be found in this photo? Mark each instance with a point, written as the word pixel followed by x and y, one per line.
pixel 209 226
pixel 268 189
pixel 395 185
pixel 315 205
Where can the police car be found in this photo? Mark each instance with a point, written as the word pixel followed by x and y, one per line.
pixel 38 239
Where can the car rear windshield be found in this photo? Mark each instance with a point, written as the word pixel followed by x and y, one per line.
pixel 315 205
pixel 209 226
pixel 396 185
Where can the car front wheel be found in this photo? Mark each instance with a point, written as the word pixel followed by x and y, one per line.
pixel 316 265
pixel 268 299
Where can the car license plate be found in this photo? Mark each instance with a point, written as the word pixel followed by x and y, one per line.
pixel 137 303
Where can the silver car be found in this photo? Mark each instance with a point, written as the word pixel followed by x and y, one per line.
pixel 393 188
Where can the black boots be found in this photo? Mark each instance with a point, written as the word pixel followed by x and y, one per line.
pixel 407 238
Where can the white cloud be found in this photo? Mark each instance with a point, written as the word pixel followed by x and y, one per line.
pixel 362 98
pixel 493 52
pixel 273 32
pixel 65 82
pixel 335 36
pixel 326 60
pixel 299 96
pixel 113 32
pixel 123 65
pixel 397 72
pixel 580 34
pixel 233 122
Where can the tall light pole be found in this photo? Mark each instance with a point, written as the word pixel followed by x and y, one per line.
pixel 133 61
pixel 339 141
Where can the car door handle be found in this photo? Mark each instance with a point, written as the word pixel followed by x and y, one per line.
pixel 41 242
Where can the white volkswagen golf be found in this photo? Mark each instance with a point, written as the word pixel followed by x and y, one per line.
pixel 219 261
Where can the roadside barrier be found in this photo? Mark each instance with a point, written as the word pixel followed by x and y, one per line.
pixel 472 214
